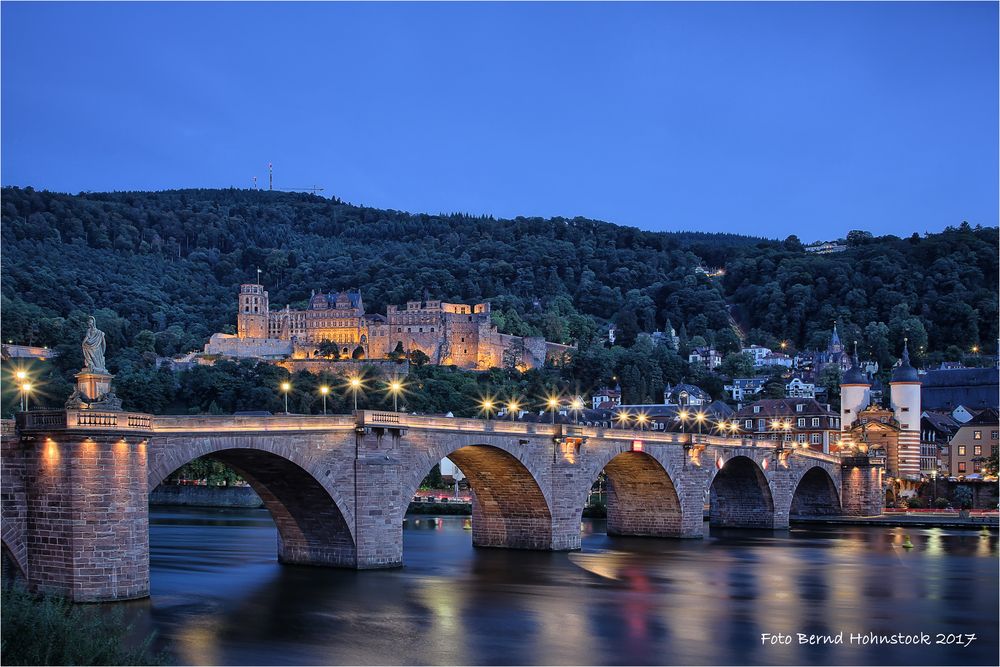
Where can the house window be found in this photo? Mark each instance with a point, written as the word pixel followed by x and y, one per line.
pixel 748 423
pixel 994 435
pixel 977 435
pixel 961 466
pixel 802 422
pixel 802 437
pixel 788 437
pixel 760 424
pixel 815 439
pixel 756 409
pixel 815 421
pixel 977 466
pixel 977 450
pixel 906 410
pixel 961 450
pixel 799 407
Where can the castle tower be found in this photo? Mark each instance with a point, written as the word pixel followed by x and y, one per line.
pixel 904 391
pixel 251 318
pixel 855 395
pixel 835 345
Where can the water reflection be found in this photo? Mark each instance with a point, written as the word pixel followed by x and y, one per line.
pixel 219 597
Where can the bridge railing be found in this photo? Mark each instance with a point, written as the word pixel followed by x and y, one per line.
pixel 206 423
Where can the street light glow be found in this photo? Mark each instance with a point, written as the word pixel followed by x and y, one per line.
pixel 552 402
pixel 21 375
pixel 324 390
pixel 286 386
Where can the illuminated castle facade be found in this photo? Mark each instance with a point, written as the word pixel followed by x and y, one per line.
pixel 448 333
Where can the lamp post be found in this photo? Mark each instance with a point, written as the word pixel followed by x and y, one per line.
pixel 934 480
pixel 285 388
pixel 486 406
pixel 642 418
pixel 553 404
pixel 623 418
pixel 25 390
pixel 394 388
pixel 699 417
pixel 355 386
pixel 682 418
pixel 21 377
pixel 512 407
pixel 577 407
pixel 324 390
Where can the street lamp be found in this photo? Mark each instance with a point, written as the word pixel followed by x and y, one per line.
pixel 642 418
pixel 682 417
pixel 25 390
pixel 734 426
pixel 553 404
pixel 623 418
pixel 395 387
pixel 324 390
pixel 355 384
pixel 577 407
pixel 700 418
pixel 486 406
pixel 512 407
pixel 285 388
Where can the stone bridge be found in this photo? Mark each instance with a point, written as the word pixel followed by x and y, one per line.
pixel 76 483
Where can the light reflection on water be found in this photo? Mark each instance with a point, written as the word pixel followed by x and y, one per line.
pixel 220 597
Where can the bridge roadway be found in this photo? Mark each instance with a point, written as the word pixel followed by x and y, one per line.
pixel 76 483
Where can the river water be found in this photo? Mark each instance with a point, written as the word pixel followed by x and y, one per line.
pixel 219 597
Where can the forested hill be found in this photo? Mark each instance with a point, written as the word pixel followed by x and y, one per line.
pixel 170 262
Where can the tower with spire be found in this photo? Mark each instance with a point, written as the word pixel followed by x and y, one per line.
pixel 855 395
pixel 904 390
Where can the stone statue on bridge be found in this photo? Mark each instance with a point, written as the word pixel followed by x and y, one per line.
pixel 94 348
pixel 93 383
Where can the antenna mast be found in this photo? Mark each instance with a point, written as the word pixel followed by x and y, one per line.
pixel 270 177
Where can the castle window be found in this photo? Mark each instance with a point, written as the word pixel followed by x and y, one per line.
pixel 470 318
pixel 977 435
pixel 421 329
pixel 463 340
pixel 977 450
pixel 399 329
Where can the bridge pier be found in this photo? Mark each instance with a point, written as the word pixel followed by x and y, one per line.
pixel 861 486
pixel 87 523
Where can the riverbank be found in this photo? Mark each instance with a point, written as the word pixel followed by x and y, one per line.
pixel 191 495
pixel 903 520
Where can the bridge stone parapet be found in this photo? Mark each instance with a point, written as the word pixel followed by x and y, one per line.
pixel 76 485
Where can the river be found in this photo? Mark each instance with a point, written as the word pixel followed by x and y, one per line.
pixel 219 597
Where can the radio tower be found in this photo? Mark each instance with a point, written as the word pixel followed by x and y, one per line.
pixel 270 177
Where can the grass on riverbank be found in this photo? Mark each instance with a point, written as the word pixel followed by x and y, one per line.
pixel 43 630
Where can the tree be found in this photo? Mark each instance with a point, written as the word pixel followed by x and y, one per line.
pixel 328 349
pixel 418 358
pixel 736 365
pixel 359 353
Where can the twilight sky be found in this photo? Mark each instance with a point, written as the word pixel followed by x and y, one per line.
pixel 768 119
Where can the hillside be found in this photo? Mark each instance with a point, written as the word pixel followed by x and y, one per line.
pixel 161 270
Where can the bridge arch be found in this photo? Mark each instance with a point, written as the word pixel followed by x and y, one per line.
pixel 642 497
pixel 740 495
pixel 315 526
pixel 815 494
pixel 510 509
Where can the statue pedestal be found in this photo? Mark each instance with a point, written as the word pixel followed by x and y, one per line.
pixel 93 392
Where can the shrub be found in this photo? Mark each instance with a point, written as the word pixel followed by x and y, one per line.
pixel 942 503
pixel 915 503
pixel 963 497
pixel 42 630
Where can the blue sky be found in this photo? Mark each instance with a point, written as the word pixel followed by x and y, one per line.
pixel 769 119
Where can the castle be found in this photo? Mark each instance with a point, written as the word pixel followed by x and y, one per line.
pixel 448 333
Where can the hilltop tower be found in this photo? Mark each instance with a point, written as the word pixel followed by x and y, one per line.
pixel 855 395
pixel 251 318
pixel 904 389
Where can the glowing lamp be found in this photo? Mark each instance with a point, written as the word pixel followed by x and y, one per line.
pixel 637 445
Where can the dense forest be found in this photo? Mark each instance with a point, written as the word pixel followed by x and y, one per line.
pixel 160 271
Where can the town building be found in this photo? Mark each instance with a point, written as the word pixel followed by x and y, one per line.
pixel 706 356
pixel 774 359
pixel 686 395
pixel 799 389
pixel 972 443
pixel 936 432
pixel 803 421
pixel 757 352
pixel 973 388
pixel 743 389
pixel 606 398
pixel 448 333
pixel 825 247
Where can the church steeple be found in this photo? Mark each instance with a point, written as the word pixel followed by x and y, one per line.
pixel 836 347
